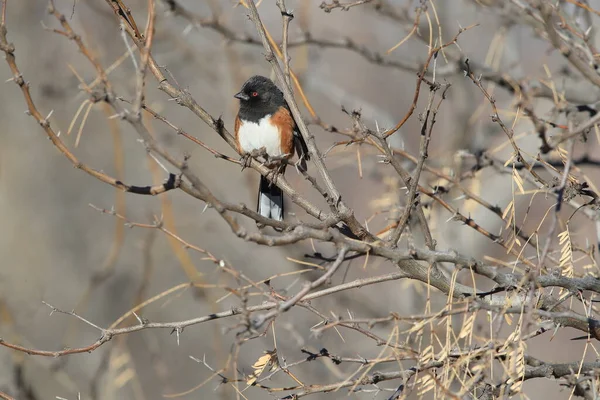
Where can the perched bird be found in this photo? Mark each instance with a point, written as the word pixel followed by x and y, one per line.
pixel 265 126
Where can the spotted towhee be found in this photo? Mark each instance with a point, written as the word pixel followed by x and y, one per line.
pixel 265 126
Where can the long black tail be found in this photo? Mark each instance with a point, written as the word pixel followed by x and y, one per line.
pixel 270 200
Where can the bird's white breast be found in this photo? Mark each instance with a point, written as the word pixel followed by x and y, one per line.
pixel 254 135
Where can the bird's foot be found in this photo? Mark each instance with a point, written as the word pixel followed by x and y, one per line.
pixel 274 174
pixel 276 161
pixel 246 159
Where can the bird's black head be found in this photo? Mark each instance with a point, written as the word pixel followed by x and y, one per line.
pixel 259 92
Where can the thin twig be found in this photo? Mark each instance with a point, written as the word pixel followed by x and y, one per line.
pixel 285 306
pixel 287 17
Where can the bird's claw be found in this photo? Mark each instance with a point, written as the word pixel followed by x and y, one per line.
pixel 273 161
pixel 246 159
pixel 274 174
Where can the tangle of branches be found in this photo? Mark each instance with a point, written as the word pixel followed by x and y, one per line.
pixel 493 237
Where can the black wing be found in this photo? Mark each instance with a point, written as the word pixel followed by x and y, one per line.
pixel 301 149
pixel 299 145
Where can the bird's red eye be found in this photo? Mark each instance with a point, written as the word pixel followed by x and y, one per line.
pixel 254 94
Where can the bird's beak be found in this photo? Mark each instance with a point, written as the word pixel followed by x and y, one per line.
pixel 241 96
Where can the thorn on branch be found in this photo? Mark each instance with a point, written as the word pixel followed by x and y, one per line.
pixel 288 14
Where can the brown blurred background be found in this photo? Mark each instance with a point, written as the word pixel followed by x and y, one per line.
pixel 52 243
